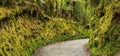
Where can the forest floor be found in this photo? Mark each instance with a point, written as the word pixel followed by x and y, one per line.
pixel 67 48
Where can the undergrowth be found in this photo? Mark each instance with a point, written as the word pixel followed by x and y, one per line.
pixel 104 25
pixel 28 24
pixel 22 35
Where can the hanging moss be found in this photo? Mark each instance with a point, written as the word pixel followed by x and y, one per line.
pixel 103 35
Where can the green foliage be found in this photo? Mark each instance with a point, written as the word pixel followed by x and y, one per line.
pixel 22 35
pixel 4 12
pixel 25 27
pixel 104 27
pixel 28 24
pixel 79 11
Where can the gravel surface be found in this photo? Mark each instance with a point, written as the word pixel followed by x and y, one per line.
pixel 67 48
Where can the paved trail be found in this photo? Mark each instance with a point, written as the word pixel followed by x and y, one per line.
pixel 67 48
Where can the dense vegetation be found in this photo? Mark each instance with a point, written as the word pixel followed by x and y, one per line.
pixel 104 27
pixel 26 25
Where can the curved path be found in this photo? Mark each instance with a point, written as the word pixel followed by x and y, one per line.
pixel 67 48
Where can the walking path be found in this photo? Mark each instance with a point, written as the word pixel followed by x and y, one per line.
pixel 67 48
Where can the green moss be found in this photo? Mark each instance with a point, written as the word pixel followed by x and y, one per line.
pixel 103 30
pixel 21 35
